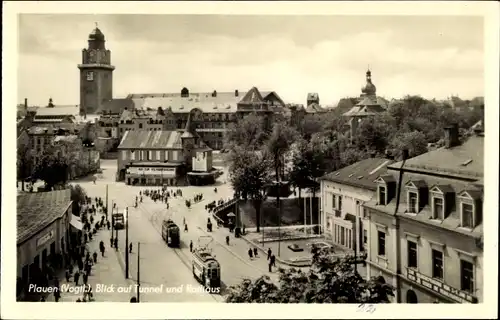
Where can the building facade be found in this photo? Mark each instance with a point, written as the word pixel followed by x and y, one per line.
pixel 161 157
pixel 96 74
pixel 425 224
pixel 343 193
pixel 43 232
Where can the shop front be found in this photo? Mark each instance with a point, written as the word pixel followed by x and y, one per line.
pixel 152 176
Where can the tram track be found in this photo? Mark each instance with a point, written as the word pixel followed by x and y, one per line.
pixel 153 218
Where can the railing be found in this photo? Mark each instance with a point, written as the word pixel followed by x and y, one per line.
pixel 225 205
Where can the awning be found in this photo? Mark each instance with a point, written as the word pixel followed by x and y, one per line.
pixel 75 222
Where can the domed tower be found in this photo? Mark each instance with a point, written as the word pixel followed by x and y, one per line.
pixel 369 89
pixel 96 74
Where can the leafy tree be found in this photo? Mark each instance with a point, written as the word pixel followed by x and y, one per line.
pixel 51 168
pixel 24 163
pixel 247 132
pixel 414 141
pixel 374 133
pixel 329 280
pixel 278 144
pixel 250 175
pixel 78 196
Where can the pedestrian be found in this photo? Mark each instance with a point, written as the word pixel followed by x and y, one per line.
pixel 95 257
pixel 227 240
pixel 191 246
pixel 269 252
pixel 111 242
pixel 255 252
pixel 57 294
pixel 273 260
pixel 85 277
pixel 250 253
pixel 76 277
pixel 116 243
pixel 130 248
pixel 270 266
pixel 108 224
pixel 185 228
pixel 67 275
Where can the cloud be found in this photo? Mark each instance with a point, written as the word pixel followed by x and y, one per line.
pixel 333 66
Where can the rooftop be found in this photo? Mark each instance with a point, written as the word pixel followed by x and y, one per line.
pixel 36 211
pixel 361 174
pixel 116 106
pixel 145 139
pixel 465 160
pixel 60 110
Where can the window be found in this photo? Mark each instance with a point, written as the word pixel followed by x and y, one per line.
pixel 175 155
pixel 412 254
pixel 381 243
pixel 132 155
pixel 466 276
pixel 438 208
pixel 342 236
pixel 140 125
pixel 467 215
pixel 340 203
pixel 124 155
pixel 437 264
pixel 412 202
pixel 150 155
pixel 365 236
pixel 334 201
pixel 142 155
pixel 166 155
pixel 382 192
pixel 90 76
pixel 158 155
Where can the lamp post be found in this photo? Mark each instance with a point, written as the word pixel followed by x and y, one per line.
pixel 126 244
pixel 112 221
pixel 138 269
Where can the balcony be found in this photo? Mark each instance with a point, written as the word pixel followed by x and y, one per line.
pixel 440 287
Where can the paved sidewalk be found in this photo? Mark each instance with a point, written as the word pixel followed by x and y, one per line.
pixel 106 272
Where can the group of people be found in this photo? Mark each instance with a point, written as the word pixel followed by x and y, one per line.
pixel 80 260
pixel 254 252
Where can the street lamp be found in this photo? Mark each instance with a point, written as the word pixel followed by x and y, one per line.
pixel 126 244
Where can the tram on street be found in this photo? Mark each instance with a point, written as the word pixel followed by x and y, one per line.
pixel 118 221
pixel 206 269
pixel 170 233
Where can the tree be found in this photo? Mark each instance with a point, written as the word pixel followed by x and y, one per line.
pixel 278 144
pixel 51 168
pixel 329 280
pixel 78 196
pixel 24 163
pixel 250 175
pixel 415 142
pixel 247 132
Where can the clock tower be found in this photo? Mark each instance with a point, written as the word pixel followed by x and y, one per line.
pixel 96 74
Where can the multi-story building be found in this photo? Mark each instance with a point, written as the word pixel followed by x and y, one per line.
pixel 55 115
pixel 343 193
pixel 425 224
pixel 159 157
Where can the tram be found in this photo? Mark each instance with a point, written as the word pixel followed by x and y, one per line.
pixel 206 269
pixel 118 221
pixel 170 233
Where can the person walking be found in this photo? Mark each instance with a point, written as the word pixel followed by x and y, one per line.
pixel 101 247
pixel 85 277
pixel 250 253
pixel 185 228
pixel 227 240
pixel 269 253
pixel 108 224
pixel 76 277
pixel 130 248
pixel 273 260
pixel 111 242
pixel 255 252
pixel 191 246
pixel 116 243
pixel 95 257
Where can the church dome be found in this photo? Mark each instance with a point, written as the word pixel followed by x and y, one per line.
pixel 369 88
pixel 96 34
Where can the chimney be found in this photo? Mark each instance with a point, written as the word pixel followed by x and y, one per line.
pixel 406 154
pixel 214 94
pixel 451 136
pixel 236 93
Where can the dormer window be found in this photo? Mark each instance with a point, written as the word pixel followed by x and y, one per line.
pixel 417 196
pixel 382 195
pixel 470 208
pixel 442 201
pixel 386 189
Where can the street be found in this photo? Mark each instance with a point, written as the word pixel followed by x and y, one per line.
pixel 160 264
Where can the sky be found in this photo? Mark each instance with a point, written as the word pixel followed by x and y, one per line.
pixel 431 56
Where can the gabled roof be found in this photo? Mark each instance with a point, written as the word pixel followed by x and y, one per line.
pixel 368 101
pixel 442 188
pixel 470 192
pixel 37 210
pixel 361 174
pixel 253 96
pixel 267 95
pixel 145 139
pixel 314 108
pixel 385 178
pixel 418 183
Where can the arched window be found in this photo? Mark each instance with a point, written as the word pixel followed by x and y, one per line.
pixel 411 297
